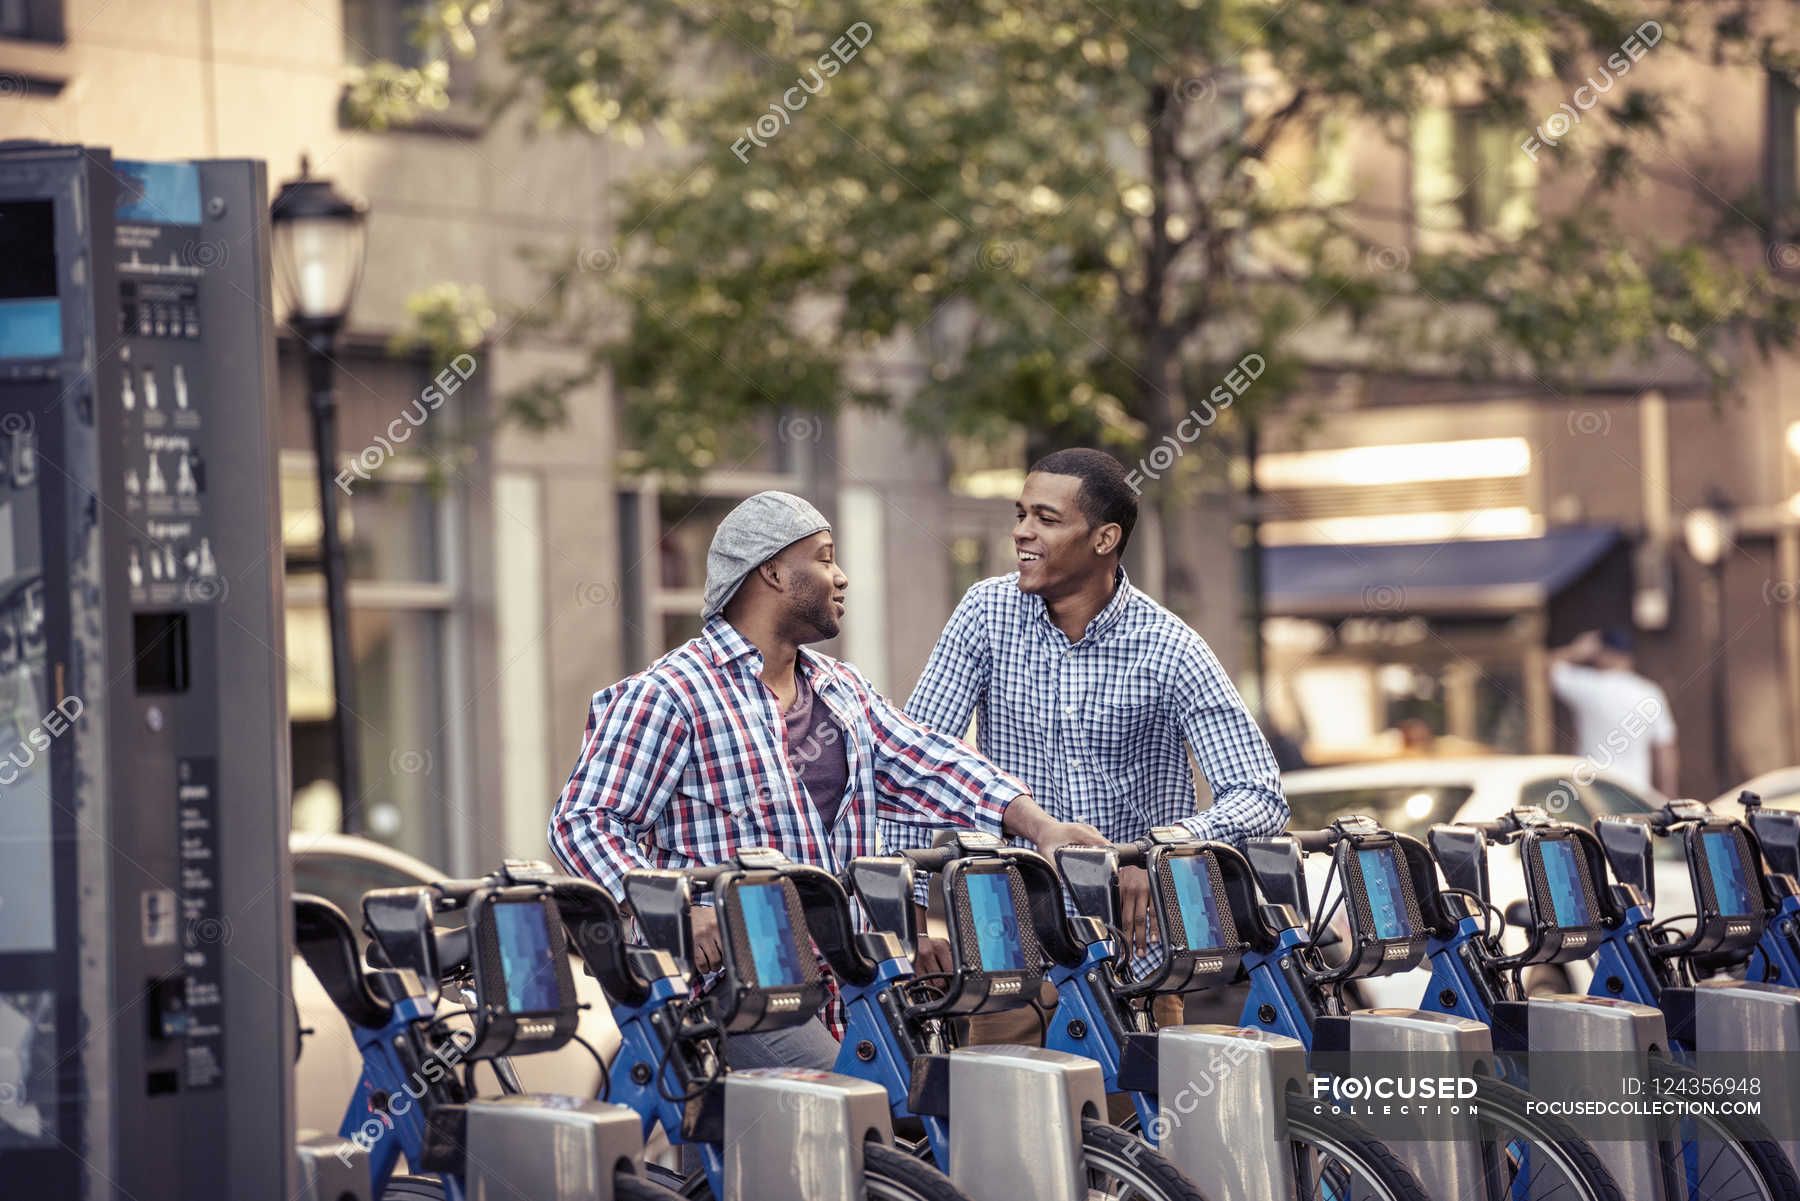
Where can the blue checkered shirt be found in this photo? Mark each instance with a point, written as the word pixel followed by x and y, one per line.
pixel 687 761
pixel 1099 728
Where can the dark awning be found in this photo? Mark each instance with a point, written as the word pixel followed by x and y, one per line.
pixel 1495 576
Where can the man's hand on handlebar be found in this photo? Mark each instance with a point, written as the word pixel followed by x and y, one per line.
pixel 1135 909
pixel 1025 818
pixel 931 955
pixel 705 922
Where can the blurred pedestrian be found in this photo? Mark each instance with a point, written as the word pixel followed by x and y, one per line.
pixel 1623 722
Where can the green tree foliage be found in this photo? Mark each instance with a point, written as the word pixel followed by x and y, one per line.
pixel 1075 217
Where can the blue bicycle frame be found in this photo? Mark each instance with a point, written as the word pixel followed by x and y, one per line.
pixel 398 1126
pixel 387 1112
pixel 1777 956
pixel 635 1082
pixel 873 1051
pixel 1081 1026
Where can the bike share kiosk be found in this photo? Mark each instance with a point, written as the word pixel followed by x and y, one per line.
pixel 147 1029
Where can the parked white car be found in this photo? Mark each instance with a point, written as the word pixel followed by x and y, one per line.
pixel 1779 789
pixel 341 869
pixel 1409 796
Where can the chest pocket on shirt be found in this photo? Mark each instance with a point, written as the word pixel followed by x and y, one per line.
pixel 1124 720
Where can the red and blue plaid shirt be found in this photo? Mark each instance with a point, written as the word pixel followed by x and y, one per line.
pixel 686 762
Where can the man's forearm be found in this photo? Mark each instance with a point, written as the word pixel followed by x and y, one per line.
pixel 588 847
pixel 1025 818
pixel 1252 809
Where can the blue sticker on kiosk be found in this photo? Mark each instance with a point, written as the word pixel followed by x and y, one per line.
pixel 158 193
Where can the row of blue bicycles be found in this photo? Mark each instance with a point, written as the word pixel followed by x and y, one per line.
pixel 1670 1080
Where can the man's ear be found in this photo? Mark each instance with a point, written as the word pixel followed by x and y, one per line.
pixel 1106 538
pixel 770 573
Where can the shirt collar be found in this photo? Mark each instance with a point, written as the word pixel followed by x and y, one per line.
pixel 1103 621
pixel 727 644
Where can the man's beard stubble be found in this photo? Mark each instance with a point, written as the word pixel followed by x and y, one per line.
pixel 814 617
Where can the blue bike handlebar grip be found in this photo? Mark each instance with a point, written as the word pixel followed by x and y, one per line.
pixel 1312 841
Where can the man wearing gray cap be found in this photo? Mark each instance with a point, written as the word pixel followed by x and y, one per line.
pixel 741 737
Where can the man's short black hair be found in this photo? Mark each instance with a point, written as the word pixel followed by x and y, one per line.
pixel 1105 497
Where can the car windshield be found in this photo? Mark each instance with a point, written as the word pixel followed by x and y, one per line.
pixel 1402 808
pixel 1569 800
pixel 343 879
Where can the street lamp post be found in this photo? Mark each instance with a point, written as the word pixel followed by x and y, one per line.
pixel 1710 533
pixel 318 251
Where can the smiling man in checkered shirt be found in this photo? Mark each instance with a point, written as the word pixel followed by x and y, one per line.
pixel 1090 692
pixel 742 737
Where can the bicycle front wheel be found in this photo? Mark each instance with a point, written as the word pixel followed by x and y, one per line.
pixel 1335 1159
pixel 888 1175
pixel 893 1175
pixel 1123 1167
pixel 626 1187
pixel 1535 1157
pixel 1723 1157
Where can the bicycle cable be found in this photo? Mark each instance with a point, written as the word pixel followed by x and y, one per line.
pixel 684 1009
pixel 605 1072
pixel 1487 907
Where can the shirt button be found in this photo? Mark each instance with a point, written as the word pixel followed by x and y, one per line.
pixel 1074 763
pixel 1069 709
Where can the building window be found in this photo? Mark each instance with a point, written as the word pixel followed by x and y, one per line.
pixel 1468 177
pixel 32 20
pixel 389 31
pixel 1781 163
pixel 404 532
pixel 400 603
pixel 1333 161
pixel 991 468
pixel 385 31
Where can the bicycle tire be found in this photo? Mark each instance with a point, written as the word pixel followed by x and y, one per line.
pixel 1768 1167
pixel 892 1175
pixel 626 1187
pixel 1108 1151
pixel 1356 1152
pixel 889 1174
pixel 1571 1169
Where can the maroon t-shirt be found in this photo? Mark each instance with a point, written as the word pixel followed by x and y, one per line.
pixel 815 748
